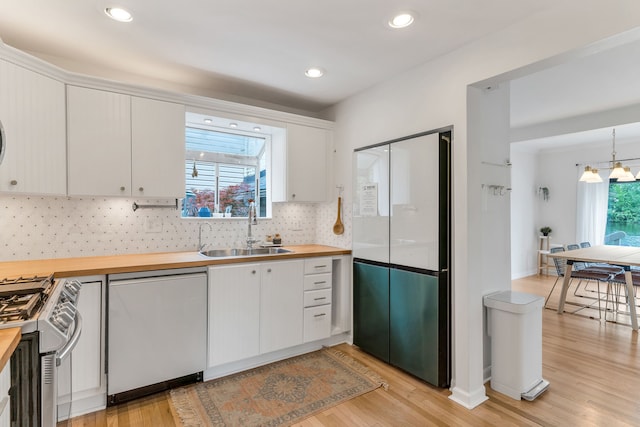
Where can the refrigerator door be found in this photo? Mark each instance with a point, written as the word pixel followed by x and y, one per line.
pixel 414 223
pixel 371 309
pixel 418 326
pixel 371 204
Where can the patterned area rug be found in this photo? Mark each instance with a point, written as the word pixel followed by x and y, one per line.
pixel 278 394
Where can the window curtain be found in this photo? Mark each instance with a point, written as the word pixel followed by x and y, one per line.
pixel 592 204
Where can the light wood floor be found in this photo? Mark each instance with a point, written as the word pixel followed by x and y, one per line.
pixel 593 368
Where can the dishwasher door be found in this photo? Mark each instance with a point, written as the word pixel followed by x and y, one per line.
pixel 157 332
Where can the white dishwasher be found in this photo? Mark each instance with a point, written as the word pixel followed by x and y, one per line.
pixel 156 331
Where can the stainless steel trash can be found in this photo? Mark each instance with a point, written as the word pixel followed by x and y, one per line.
pixel 514 323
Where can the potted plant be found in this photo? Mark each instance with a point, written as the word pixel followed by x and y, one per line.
pixel 546 231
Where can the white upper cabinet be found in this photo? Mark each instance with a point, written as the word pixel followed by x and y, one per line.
pixel 99 137
pixel 305 161
pixel 157 148
pixel 32 113
pixel 121 145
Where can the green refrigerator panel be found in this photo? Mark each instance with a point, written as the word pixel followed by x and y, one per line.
pixel 371 309
pixel 417 327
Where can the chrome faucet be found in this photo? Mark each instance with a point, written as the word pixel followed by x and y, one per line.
pixel 253 220
pixel 200 245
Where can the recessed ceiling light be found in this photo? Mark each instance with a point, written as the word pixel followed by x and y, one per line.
pixel 119 14
pixel 233 125
pixel 401 20
pixel 314 72
pixel 208 121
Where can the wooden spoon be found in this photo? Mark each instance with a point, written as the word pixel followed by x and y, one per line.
pixel 338 227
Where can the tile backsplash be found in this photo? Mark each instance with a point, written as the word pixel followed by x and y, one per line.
pixel 38 227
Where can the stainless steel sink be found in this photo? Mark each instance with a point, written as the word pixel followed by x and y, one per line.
pixel 238 252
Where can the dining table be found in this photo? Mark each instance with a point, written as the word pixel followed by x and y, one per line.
pixel 622 256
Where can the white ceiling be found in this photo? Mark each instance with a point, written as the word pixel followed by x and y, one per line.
pixel 256 51
pixel 253 49
pixel 579 91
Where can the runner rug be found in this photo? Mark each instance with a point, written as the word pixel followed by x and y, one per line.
pixel 278 394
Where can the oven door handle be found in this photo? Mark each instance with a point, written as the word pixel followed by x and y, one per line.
pixel 64 352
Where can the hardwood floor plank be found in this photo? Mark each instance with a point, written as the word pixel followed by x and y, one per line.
pixel 593 368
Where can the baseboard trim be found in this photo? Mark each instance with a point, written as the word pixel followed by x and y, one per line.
pixel 263 359
pixel 468 400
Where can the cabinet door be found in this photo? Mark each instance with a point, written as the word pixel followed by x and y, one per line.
pixel 281 305
pixel 234 313
pixel 99 141
pixel 32 114
pixel 5 404
pixel 307 163
pixel 157 148
pixel 86 361
pixel 317 323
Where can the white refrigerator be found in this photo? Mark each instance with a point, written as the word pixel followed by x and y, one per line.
pixel 401 250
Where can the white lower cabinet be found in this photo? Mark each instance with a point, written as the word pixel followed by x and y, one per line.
pixel 5 385
pixel 234 313
pixel 317 298
pixel 254 309
pixel 281 305
pixel 81 377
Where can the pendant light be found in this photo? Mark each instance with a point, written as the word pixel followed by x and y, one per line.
pixel 619 172
pixel 590 175
pixel 194 173
pixel 628 176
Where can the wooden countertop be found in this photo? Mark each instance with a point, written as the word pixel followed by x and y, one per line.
pixel 9 339
pixel 99 265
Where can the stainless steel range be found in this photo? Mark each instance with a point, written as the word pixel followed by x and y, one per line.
pixel 45 311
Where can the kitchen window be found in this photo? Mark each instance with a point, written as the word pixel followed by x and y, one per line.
pixel 224 169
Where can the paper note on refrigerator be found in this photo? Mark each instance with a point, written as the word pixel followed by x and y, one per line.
pixel 369 199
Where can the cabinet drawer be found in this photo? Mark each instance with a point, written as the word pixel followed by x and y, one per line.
pixel 319 297
pixel 317 323
pixel 317 265
pixel 317 281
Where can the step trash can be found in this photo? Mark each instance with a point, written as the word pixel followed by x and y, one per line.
pixel 514 323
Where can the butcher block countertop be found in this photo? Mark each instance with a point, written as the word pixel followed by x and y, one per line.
pixel 9 339
pixel 99 265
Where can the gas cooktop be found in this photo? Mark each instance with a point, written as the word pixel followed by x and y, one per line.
pixel 21 299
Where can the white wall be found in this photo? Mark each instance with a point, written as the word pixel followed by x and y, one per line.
pixel 435 95
pixel 525 206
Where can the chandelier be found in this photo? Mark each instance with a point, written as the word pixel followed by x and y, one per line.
pixel 618 172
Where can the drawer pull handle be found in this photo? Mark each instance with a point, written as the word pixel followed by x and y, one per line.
pixel 320 283
pixel 13 182
pixel 320 315
pixel 253 272
pixel 320 266
pixel 319 299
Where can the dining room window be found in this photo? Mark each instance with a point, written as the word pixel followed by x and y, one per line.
pixel 623 214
